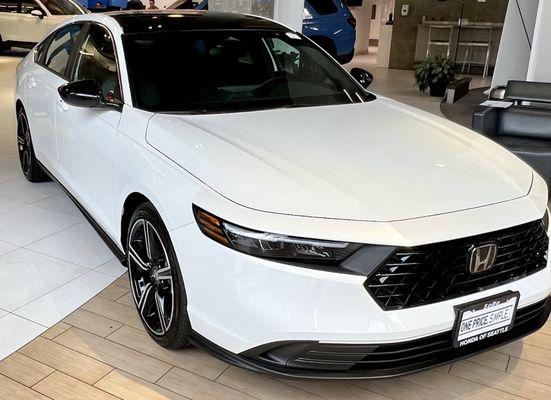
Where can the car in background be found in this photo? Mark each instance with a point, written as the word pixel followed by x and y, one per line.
pixel 24 22
pixel 329 23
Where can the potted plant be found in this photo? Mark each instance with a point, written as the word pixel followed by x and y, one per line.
pixel 436 74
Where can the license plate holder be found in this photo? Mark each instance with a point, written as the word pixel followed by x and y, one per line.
pixel 483 319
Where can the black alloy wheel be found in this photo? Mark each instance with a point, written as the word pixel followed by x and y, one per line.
pixel 155 279
pixel 29 165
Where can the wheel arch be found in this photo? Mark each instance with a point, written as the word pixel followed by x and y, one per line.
pixel 131 203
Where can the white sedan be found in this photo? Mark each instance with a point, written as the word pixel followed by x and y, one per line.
pixel 274 212
pixel 25 22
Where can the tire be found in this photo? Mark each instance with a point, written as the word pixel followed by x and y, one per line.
pixel 29 164
pixel 156 281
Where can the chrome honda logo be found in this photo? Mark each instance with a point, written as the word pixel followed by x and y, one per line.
pixel 481 258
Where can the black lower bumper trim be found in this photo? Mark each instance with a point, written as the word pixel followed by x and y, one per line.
pixel 337 361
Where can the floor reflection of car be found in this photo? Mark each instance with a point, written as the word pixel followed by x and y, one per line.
pixel 24 22
pixel 329 23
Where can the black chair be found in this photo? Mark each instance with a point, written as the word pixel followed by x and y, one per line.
pixel 524 129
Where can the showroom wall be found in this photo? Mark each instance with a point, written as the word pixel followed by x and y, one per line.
pixel 363 26
pixel 404 35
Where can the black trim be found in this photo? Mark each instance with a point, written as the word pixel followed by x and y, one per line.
pixel 528 320
pixel 121 256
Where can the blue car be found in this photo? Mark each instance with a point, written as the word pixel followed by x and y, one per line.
pixel 329 23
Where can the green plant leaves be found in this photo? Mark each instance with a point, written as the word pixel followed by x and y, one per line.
pixel 434 71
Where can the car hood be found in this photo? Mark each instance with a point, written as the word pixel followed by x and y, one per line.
pixel 377 161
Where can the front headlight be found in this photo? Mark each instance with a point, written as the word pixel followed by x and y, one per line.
pixel 306 14
pixel 271 245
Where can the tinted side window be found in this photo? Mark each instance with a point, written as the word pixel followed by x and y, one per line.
pixel 27 6
pixel 323 7
pixel 62 7
pixel 96 60
pixel 60 49
pixel 8 6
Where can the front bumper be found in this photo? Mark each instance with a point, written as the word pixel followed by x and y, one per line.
pixel 314 360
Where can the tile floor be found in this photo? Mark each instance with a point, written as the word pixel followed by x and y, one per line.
pixel 101 351
pixel 51 260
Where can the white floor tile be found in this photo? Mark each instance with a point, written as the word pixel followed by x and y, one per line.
pixel 60 203
pixel 113 268
pixel 10 162
pixel 56 305
pixel 26 275
pixel 30 223
pixel 9 205
pixel 15 332
pixel 27 192
pixel 8 174
pixel 79 245
pixel 6 247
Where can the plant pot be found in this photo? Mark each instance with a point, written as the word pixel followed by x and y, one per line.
pixel 438 89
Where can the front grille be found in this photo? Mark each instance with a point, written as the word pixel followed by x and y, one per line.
pixel 428 274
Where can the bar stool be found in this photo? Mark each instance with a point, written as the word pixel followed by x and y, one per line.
pixel 471 44
pixel 439 42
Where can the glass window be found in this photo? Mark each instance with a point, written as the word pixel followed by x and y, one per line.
pixel 60 49
pixel 9 6
pixel 28 5
pixel 62 7
pixel 218 71
pixel 323 7
pixel 97 61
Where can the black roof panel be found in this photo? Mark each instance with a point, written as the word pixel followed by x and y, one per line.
pixel 183 20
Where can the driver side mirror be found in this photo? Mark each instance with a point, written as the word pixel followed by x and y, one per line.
pixel 363 77
pixel 38 12
pixel 84 93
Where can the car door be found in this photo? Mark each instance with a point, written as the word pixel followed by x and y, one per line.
pixel 8 20
pixel 52 59
pixel 86 136
pixel 32 28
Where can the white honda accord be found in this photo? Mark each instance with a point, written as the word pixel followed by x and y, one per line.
pixel 271 210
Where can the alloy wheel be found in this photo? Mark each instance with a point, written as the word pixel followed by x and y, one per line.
pixel 24 143
pixel 151 277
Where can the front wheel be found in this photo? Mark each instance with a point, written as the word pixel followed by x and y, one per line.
pixel 155 279
pixel 29 164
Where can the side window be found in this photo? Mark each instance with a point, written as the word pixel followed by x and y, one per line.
pixel 61 48
pixel 27 6
pixel 286 56
pixel 96 60
pixel 9 6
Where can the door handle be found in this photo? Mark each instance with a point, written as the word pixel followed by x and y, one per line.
pixel 62 106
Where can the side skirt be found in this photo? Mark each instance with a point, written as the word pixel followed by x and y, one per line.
pixel 101 232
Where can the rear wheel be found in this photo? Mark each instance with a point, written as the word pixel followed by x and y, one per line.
pixel 29 164
pixel 155 279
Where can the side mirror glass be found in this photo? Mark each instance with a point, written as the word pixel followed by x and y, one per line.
pixel 363 77
pixel 84 93
pixel 37 12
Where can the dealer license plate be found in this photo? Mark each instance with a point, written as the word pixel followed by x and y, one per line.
pixel 484 319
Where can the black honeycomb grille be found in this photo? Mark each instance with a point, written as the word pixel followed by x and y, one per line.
pixel 428 274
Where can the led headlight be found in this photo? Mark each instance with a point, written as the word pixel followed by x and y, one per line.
pixel 271 245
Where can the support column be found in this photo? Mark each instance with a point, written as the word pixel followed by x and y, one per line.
pixel 539 66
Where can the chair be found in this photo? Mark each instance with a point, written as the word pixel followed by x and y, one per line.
pixel 472 44
pixel 439 42
pixel 524 129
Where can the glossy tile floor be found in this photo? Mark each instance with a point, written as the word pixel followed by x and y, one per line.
pixel 51 260
pixel 101 351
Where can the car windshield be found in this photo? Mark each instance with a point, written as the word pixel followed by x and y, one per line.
pixel 231 71
pixel 63 7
